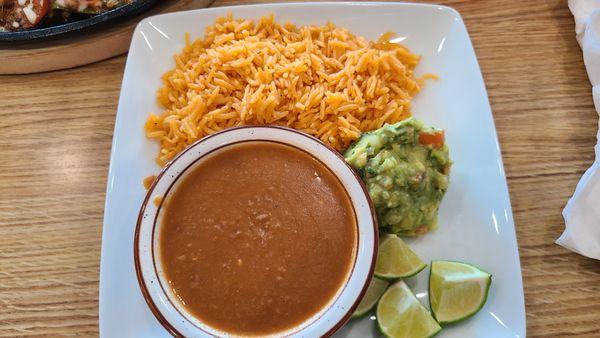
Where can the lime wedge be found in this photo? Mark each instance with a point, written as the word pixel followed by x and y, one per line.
pixel 395 259
pixel 457 290
pixel 401 315
pixel 376 288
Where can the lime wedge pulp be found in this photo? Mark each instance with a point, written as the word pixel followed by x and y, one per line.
pixel 395 259
pixel 457 290
pixel 376 288
pixel 401 315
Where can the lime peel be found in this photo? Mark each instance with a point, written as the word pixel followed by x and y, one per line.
pixel 457 290
pixel 401 315
pixel 395 259
pixel 375 290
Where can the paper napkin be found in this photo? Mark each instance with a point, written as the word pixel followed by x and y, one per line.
pixel 582 213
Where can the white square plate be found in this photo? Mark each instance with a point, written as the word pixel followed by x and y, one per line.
pixel 475 221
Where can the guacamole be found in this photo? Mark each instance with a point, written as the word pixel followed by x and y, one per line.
pixel 405 167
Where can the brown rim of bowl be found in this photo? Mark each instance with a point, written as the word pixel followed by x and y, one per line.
pixel 138 270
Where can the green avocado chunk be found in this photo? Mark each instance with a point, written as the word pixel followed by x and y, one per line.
pixel 405 167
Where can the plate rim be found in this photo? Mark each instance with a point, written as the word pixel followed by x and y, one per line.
pixel 399 5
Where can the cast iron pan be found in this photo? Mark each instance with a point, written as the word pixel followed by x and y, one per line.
pixel 77 22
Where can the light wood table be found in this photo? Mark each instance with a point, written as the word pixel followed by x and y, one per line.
pixel 56 130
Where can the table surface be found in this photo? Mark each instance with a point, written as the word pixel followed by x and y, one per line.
pixel 56 131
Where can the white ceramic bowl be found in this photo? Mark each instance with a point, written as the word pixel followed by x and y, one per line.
pixel 172 315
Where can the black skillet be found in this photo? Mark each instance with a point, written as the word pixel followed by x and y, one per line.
pixel 77 22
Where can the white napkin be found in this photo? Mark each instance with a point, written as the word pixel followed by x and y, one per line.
pixel 582 213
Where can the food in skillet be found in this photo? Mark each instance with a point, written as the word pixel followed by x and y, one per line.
pixel 18 15
pixel 88 6
pixel 22 14
pixel 405 167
